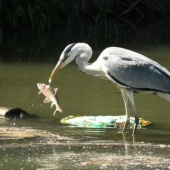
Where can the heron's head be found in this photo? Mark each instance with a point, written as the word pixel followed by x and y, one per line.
pixel 68 55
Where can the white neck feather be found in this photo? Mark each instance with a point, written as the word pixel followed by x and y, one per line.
pixel 89 68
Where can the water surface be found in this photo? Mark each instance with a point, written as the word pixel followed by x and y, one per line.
pixel 82 95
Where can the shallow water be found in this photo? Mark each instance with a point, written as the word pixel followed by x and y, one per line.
pixel 81 95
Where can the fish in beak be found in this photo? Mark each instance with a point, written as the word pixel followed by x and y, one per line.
pixel 50 94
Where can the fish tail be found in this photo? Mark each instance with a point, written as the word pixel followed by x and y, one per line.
pixel 58 109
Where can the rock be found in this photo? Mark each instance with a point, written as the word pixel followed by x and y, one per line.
pixel 6 112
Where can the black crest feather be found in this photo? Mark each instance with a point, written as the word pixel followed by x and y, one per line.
pixel 69 48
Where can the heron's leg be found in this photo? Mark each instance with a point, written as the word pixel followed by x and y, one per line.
pixel 125 144
pixel 125 99
pixel 131 98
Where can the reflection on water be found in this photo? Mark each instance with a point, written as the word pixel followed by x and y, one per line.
pixel 82 95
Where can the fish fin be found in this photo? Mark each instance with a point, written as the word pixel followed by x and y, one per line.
pixel 40 92
pixel 46 100
pixel 52 104
pixel 58 109
pixel 54 112
pixel 55 89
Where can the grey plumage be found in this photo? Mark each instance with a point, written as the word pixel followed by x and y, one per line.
pixel 137 74
pixel 128 70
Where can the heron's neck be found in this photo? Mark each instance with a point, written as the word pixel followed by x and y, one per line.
pixel 88 68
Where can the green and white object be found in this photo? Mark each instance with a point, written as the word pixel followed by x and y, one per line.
pixel 102 121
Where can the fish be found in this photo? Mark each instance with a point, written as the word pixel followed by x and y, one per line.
pixel 51 95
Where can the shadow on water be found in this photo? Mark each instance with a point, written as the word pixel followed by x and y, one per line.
pixel 45 143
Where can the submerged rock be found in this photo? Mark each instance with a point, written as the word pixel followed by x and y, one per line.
pixel 6 112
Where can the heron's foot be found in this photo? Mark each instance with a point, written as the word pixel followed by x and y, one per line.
pixel 126 125
pixel 136 125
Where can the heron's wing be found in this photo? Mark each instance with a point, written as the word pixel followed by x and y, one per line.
pixel 126 54
pixel 136 73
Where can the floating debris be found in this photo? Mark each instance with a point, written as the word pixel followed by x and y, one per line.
pixel 102 121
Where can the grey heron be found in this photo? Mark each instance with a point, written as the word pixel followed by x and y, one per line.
pixel 129 71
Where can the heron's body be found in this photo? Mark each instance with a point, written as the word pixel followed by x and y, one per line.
pixel 134 71
pixel 130 71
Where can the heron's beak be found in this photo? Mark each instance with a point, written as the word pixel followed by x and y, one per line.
pixel 59 66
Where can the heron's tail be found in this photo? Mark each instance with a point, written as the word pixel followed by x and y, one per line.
pixel 164 95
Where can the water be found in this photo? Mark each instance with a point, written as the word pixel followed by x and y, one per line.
pixel 80 148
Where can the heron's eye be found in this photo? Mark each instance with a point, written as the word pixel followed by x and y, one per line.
pixel 65 56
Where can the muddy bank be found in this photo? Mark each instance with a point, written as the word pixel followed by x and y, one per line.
pixel 11 132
